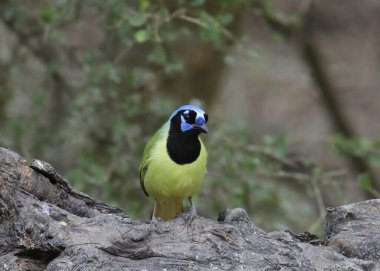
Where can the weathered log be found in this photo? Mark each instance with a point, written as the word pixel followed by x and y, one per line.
pixel 46 225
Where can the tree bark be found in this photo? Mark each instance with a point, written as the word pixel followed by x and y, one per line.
pixel 46 225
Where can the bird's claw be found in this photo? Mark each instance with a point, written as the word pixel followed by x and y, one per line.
pixel 192 214
pixel 158 225
pixel 154 221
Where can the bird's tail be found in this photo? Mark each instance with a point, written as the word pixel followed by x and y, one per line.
pixel 168 208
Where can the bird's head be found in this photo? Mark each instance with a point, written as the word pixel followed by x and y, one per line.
pixel 189 119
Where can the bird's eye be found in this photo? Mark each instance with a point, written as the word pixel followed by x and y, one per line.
pixel 187 117
pixel 206 118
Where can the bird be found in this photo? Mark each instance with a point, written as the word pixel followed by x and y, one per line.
pixel 173 163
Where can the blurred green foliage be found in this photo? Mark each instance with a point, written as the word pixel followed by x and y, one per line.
pixel 360 147
pixel 110 116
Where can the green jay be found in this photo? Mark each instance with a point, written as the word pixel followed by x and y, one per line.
pixel 174 161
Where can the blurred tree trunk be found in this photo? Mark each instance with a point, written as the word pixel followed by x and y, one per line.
pixel 328 93
pixel 304 32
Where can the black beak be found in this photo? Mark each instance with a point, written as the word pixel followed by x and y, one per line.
pixel 203 128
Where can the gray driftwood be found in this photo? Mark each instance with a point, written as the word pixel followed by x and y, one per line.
pixel 46 225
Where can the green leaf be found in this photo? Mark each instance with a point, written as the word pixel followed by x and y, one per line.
pixel 365 182
pixel 144 4
pixel 245 37
pixel 164 13
pixel 226 19
pixel 47 14
pixel 317 171
pixel 197 3
pixel 138 19
pixel 142 36
pixel 278 145
pixel 374 159
pixel 157 56
pixel 211 35
pixel 376 143
pixel 173 68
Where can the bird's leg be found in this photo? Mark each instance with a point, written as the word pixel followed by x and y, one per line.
pixel 192 209
pixel 192 213
pixel 156 222
pixel 154 218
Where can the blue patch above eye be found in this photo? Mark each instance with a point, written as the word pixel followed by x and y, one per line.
pixel 200 120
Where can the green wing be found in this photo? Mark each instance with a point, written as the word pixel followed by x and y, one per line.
pixel 145 159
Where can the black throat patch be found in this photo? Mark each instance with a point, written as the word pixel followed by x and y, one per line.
pixel 183 147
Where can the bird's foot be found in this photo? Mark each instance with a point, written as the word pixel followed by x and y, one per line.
pixel 191 215
pixel 154 221
pixel 158 225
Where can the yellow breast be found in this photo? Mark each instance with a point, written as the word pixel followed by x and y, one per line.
pixel 167 179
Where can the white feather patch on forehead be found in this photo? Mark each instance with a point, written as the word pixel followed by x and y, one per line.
pixel 194 108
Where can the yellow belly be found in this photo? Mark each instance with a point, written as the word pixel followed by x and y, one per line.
pixel 166 179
